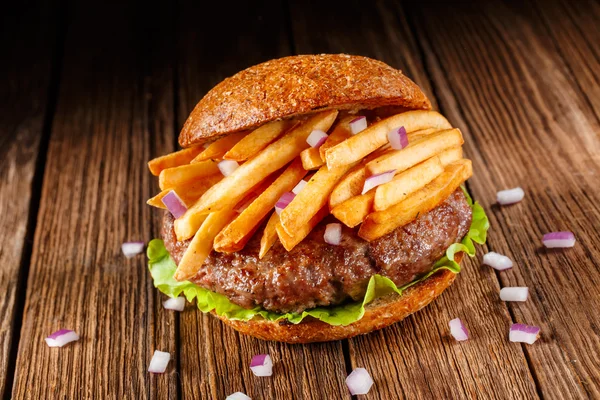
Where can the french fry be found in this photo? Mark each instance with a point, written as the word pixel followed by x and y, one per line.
pixel 416 152
pixel 184 174
pixel 229 238
pixel 354 210
pixel 360 145
pixel 349 186
pixel 451 155
pixel 340 133
pixel 202 244
pixel 290 241
pixel 416 135
pixel 181 157
pixel 188 193
pixel 406 183
pixel 219 147
pixel 269 236
pixel 311 159
pixel 257 140
pixel 380 223
pixel 272 158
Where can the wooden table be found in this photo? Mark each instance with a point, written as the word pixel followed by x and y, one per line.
pixel 89 94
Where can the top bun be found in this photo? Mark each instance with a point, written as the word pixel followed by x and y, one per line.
pixel 298 85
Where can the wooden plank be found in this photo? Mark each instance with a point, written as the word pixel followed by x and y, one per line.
pixel 214 358
pixel 417 358
pixel 114 113
pixel 529 125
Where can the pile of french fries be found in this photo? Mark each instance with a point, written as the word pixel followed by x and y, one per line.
pixel 223 212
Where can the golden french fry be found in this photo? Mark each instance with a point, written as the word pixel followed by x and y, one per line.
pixel 257 140
pixel 340 133
pixel 311 159
pixel 290 241
pixel 380 223
pixel 451 155
pixel 416 152
pixel 175 159
pixel 354 210
pixel 188 193
pixel 406 183
pixel 250 218
pixel 202 244
pixel 253 171
pixel 184 174
pixel 269 236
pixel 360 145
pixel 349 186
pixel 219 147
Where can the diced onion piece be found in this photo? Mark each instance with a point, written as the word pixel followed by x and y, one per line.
pixel 524 333
pixel 359 381
pixel 61 337
pixel 227 167
pixel 159 362
pixel 299 186
pixel 237 396
pixel 174 204
pixel 398 138
pixel 510 196
pixel 333 234
pixel 559 239
pixel 458 330
pixel 497 261
pixel 131 249
pixel 316 138
pixel 283 201
pixel 358 124
pixel 514 293
pixel 176 304
pixel 262 365
pixel 379 179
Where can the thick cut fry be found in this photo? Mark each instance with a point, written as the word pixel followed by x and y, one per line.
pixel 349 186
pixel 188 193
pixel 340 133
pixel 290 241
pixel 184 174
pixel 274 157
pixel 219 147
pixel 311 159
pixel 416 152
pixel 229 238
pixel 380 223
pixel 451 155
pixel 358 146
pixel 257 140
pixel 311 199
pixel 269 236
pixel 406 183
pixel 354 210
pixel 202 244
pixel 181 157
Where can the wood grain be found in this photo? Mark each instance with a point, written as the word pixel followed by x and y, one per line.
pixel 528 125
pixel 214 358
pixel 25 88
pixel 116 78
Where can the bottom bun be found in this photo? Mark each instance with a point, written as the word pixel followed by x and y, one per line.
pixel 380 313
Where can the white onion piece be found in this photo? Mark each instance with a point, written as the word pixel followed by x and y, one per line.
pixel 514 293
pixel 176 304
pixel 379 179
pixel 554 240
pixel 237 396
pixel 159 362
pixel 174 204
pixel 61 337
pixel 261 365
pixel 131 249
pixel 358 124
pixel 359 381
pixel 524 333
pixel 283 201
pixel 398 138
pixel 299 186
pixel 458 330
pixel 510 196
pixel 316 138
pixel 497 261
pixel 228 167
pixel 333 234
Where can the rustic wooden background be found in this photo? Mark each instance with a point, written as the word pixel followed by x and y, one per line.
pixel 89 93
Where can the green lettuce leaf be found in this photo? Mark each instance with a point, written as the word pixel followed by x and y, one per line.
pixel 162 267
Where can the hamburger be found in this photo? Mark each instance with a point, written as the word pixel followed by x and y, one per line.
pixel 316 197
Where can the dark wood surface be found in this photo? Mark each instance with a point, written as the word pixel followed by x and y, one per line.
pixel 89 94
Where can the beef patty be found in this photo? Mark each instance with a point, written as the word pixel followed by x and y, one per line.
pixel 315 273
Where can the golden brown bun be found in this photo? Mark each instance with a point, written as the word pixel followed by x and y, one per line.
pixel 380 313
pixel 298 85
